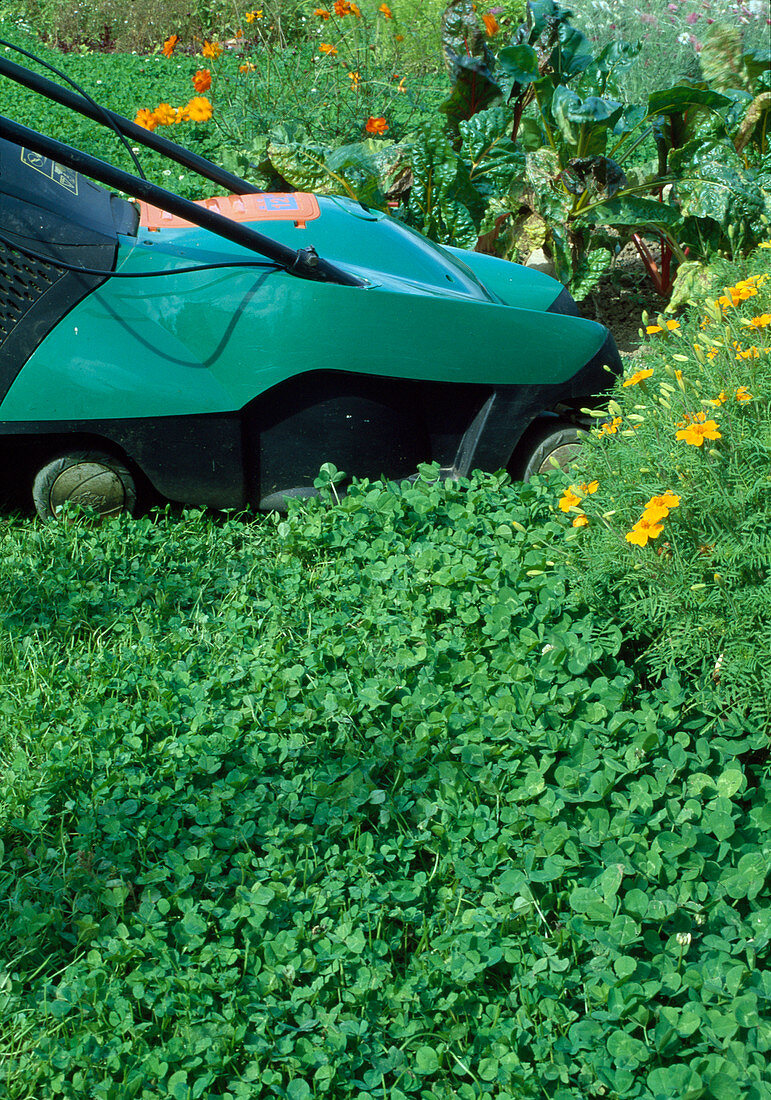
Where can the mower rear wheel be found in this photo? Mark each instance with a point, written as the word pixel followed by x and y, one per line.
pixel 90 478
pixel 557 443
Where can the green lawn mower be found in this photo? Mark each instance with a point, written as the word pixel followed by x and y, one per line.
pixel 218 353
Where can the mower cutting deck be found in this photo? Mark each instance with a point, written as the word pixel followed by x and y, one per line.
pixel 220 352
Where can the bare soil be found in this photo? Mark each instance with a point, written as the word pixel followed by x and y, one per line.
pixel 619 299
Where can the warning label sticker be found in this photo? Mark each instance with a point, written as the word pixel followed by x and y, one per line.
pixel 65 177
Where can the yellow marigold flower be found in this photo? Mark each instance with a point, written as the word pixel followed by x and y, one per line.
pixel 747 353
pixel 760 321
pixel 355 11
pixel 670 325
pixel 638 376
pixel 202 80
pixel 247 67
pixel 169 45
pixel 146 119
pixel 581 520
pixel 643 530
pixel 765 244
pixel 252 15
pixel 199 109
pixel 659 507
pixel 212 50
pixel 165 114
pixel 492 26
pixel 355 80
pixel 721 399
pixel 743 395
pixel 385 11
pixel 587 490
pixel 325 47
pixel 568 500
pixel 322 13
pixel 696 433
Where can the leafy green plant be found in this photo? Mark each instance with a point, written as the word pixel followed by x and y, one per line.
pixel 674 537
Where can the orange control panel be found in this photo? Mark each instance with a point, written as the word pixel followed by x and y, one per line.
pixel 298 207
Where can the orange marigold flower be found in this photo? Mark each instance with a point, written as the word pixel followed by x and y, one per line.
pixel 325 47
pixel 169 44
pixel 202 80
pixel 721 399
pixel 581 520
pixel 492 26
pixel 638 376
pixel 671 326
pixel 165 114
pixel 355 11
pixel 743 395
pixel 659 507
pixel 695 434
pixel 355 80
pixel 587 490
pixel 376 125
pixel 322 13
pixel 747 353
pixel 385 11
pixel 146 119
pixel 569 499
pixel 761 321
pixel 342 7
pixel 247 67
pixel 644 530
pixel 212 50
pixel 199 109
pixel 611 428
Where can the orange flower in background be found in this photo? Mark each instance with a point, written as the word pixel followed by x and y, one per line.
pixel 199 109
pixel 385 11
pixel 342 7
pixel 355 11
pixel 181 115
pixel 322 13
pixel 355 80
pixel 581 520
pixel 695 434
pixel 375 125
pixel 743 395
pixel 165 114
pixel 202 80
pixel 330 51
pixel 146 119
pixel 247 67
pixel 492 26
pixel 211 50
pixel 169 44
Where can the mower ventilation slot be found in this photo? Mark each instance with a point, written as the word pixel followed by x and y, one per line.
pixel 23 282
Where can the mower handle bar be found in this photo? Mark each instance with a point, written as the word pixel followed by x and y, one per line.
pixel 304 262
pixel 200 165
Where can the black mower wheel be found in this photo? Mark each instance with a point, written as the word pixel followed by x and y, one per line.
pixel 90 478
pixel 558 442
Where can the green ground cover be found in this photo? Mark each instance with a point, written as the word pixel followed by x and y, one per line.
pixel 372 800
pixel 436 791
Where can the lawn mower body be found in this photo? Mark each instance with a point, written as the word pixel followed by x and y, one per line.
pixel 233 385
